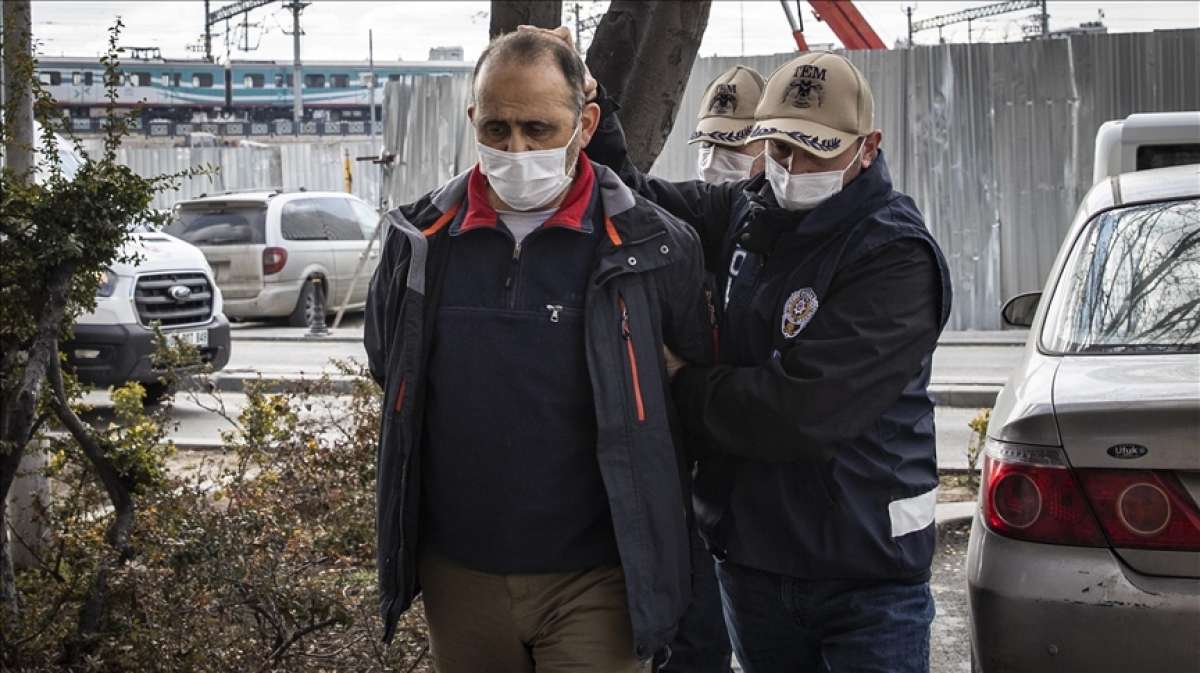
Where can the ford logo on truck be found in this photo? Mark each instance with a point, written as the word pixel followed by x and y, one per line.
pixel 1127 451
pixel 180 293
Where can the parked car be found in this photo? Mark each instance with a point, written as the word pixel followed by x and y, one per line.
pixel 171 285
pixel 267 249
pixel 1085 550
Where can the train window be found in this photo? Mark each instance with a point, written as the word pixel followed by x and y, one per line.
pixel 50 77
pixel 202 79
pixel 141 79
pixel 339 81
pixel 314 81
pixel 393 78
pixel 253 81
pixel 278 81
pixel 76 78
pixel 87 79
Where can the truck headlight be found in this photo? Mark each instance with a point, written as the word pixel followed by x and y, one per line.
pixel 108 284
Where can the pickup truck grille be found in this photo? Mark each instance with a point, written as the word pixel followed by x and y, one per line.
pixel 156 300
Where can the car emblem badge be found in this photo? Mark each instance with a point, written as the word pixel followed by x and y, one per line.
pixel 1127 451
pixel 180 293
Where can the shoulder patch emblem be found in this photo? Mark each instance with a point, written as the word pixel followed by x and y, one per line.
pixel 797 311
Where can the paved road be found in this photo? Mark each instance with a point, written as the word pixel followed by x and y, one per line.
pixel 950 641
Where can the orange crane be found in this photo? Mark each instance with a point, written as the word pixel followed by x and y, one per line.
pixel 844 19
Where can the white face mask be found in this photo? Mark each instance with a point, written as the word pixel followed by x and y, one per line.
pixel 527 180
pixel 718 164
pixel 805 191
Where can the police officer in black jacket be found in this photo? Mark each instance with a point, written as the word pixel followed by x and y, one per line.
pixel 817 495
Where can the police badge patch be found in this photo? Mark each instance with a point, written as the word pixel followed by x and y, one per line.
pixel 797 311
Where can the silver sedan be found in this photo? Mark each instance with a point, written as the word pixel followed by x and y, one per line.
pixel 1085 549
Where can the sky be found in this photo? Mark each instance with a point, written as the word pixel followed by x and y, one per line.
pixel 338 30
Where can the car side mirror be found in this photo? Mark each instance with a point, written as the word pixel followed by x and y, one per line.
pixel 1019 311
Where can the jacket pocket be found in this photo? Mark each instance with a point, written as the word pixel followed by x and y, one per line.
pixel 631 359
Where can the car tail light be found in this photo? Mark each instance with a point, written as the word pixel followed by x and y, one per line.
pixel 1143 509
pixel 1030 493
pixel 273 260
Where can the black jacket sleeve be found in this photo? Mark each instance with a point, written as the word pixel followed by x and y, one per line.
pixel 879 321
pixel 385 297
pixel 707 208
pixel 689 319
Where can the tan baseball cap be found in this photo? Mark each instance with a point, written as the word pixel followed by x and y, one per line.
pixel 819 102
pixel 727 109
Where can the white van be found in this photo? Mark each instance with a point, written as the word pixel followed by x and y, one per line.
pixel 1144 141
pixel 170 284
pixel 268 248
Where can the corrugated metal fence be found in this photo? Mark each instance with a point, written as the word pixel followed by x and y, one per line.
pixel 993 141
pixel 289 166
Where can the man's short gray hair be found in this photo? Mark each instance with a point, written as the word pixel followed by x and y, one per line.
pixel 526 46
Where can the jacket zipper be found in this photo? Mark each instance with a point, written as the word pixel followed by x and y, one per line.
pixel 712 324
pixel 631 357
pixel 510 282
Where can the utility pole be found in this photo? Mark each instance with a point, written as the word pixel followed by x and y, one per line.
pixel 908 11
pixel 207 35
pixel 297 83
pixel 1045 21
pixel 371 91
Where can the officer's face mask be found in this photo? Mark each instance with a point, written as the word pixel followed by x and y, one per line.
pixel 718 164
pixel 527 180
pixel 805 191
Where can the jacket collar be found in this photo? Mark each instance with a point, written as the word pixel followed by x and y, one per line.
pixel 767 222
pixel 572 214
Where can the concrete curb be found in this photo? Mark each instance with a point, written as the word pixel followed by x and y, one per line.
pixel 948 514
pixel 968 396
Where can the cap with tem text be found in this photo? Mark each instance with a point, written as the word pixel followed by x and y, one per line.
pixel 727 108
pixel 819 102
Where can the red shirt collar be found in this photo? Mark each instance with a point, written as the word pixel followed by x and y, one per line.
pixel 570 213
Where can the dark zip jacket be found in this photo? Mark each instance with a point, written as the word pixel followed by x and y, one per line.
pixel 646 289
pixel 818 417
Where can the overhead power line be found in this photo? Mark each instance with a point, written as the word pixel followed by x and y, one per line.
pixel 971 15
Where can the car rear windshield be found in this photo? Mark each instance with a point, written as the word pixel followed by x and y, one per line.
pixel 220 224
pixel 1131 284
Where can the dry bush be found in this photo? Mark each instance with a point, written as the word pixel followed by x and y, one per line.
pixel 264 562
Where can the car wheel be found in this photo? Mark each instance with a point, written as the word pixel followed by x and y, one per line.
pixel 306 306
pixel 156 392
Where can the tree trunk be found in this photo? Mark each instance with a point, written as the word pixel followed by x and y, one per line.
pixel 18 98
pixel 508 14
pixel 643 54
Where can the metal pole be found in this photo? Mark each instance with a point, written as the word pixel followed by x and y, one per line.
pixel 297 84
pixel 371 92
pixel 207 35
pixel 909 11
pixel 1045 21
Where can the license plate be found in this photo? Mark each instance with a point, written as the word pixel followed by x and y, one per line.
pixel 198 338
